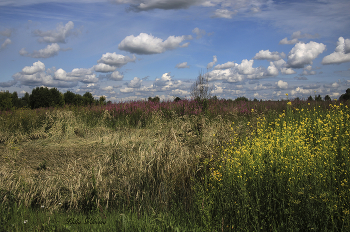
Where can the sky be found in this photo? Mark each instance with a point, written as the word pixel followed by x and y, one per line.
pixel 134 49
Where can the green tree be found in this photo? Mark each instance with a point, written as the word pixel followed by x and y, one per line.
pixel 102 100
pixel 176 99
pixel 318 98
pixel 310 98
pixel 69 97
pixel 155 99
pixel 40 97
pixel 241 99
pixel 346 96
pixel 25 100
pixel 56 97
pixel 327 98
pixel 88 99
pixel 15 101
pixel 5 101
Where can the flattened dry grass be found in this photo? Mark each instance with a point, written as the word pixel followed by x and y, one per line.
pixel 65 163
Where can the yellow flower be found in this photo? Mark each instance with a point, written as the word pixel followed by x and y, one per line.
pixel 286 94
pixel 289 103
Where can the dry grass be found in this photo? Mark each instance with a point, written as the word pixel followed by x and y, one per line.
pixel 148 167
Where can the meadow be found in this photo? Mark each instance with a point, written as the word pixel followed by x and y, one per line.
pixel 214 165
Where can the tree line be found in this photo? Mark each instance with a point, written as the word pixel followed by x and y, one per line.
pixel 44 97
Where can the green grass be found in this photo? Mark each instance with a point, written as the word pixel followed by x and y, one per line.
pixel 75 169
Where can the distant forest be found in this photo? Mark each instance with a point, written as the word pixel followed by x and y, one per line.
pixel 44 97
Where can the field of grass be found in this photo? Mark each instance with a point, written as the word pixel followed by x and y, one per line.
pixel 177 166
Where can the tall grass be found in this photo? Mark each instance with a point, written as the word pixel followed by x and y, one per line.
pixel 186 166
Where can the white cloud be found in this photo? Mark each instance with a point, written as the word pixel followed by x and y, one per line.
pixel 282 84
pixel 287 71
pixel 246 67
pixel 135 83
pixel 148 44
pixel 114 59
pixel 286 41
pixel 223 13
pixel 6 42
pixel 36 76
pixel 182 65
pixel 308 71
pixel 211 64
pixel 228 75
pixel 108 88
pixel 272 70
pixel 225 66
pixel 49 51
pixel 267 55
pixel 341 53
pixel 198 32
pixel 58 36
pixel 217 90
pixel 281 65
pixel 302 91
pixel 37 67
pixel 179 92
pixel 8 83
pixel 101 67
pixel 127 90
pixel 82 75
pixel 116 76
pixel 303 54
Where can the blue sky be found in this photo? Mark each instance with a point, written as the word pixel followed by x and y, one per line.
pixel 133 49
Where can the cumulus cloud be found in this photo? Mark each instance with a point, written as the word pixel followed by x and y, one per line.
pixel 304 54
pixel 228 75
pixel 135 83
pixel 49 51
pixel 308 71
pixel 198 32
pixel 77 74
pixel 116 76
pixel 282 66
pixel 211 64
pixel 341 53
pixel 272 70
pixel 117 60
pixel 286 41
pixel 163 81
pixel 57 36
pixel 148 44
pixel 282 84
pixel 6 42
pixel 296 36
pixel 182 65
pixel 8 83
pixel 223 13
pixel 267 55
pixel 225 66
pixel 101 67
pixel 37 67
pixel 108 88
pixel 302 91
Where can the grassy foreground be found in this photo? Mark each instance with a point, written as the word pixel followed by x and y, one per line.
pixel 248 169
